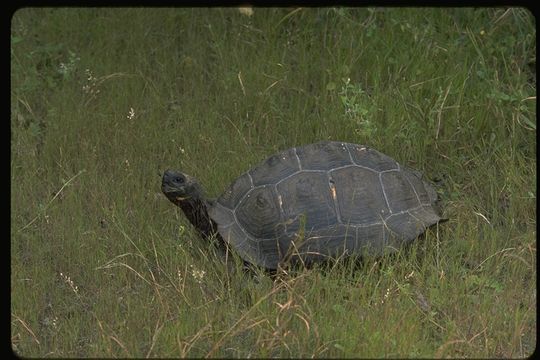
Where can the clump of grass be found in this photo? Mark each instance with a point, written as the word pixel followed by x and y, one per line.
pixel 102 265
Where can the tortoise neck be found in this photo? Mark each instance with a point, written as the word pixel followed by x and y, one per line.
pixel 196 210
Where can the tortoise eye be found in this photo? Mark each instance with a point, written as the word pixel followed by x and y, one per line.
pixel 179 179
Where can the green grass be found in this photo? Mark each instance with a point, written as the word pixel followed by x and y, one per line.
pixel 103 100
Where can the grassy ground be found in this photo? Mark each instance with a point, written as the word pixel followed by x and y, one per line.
pixel 103 100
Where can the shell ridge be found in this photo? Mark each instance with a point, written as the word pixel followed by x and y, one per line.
pixel 297 159
pixel 384 193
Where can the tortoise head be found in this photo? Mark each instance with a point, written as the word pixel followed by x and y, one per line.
pixel 179 187
pixel 184 191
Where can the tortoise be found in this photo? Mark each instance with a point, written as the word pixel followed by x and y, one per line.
pixel 310 203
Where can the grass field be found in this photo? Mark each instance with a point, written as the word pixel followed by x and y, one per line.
pixel 104 100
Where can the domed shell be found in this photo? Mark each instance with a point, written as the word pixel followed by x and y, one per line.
pixel 323 200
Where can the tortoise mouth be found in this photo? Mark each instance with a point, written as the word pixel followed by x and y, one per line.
pixel 173 192
pixel 174 195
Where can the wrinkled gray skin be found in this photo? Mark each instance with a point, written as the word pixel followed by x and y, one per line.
pixel 185 192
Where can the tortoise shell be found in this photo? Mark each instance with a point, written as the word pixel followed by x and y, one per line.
pixel 323 200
